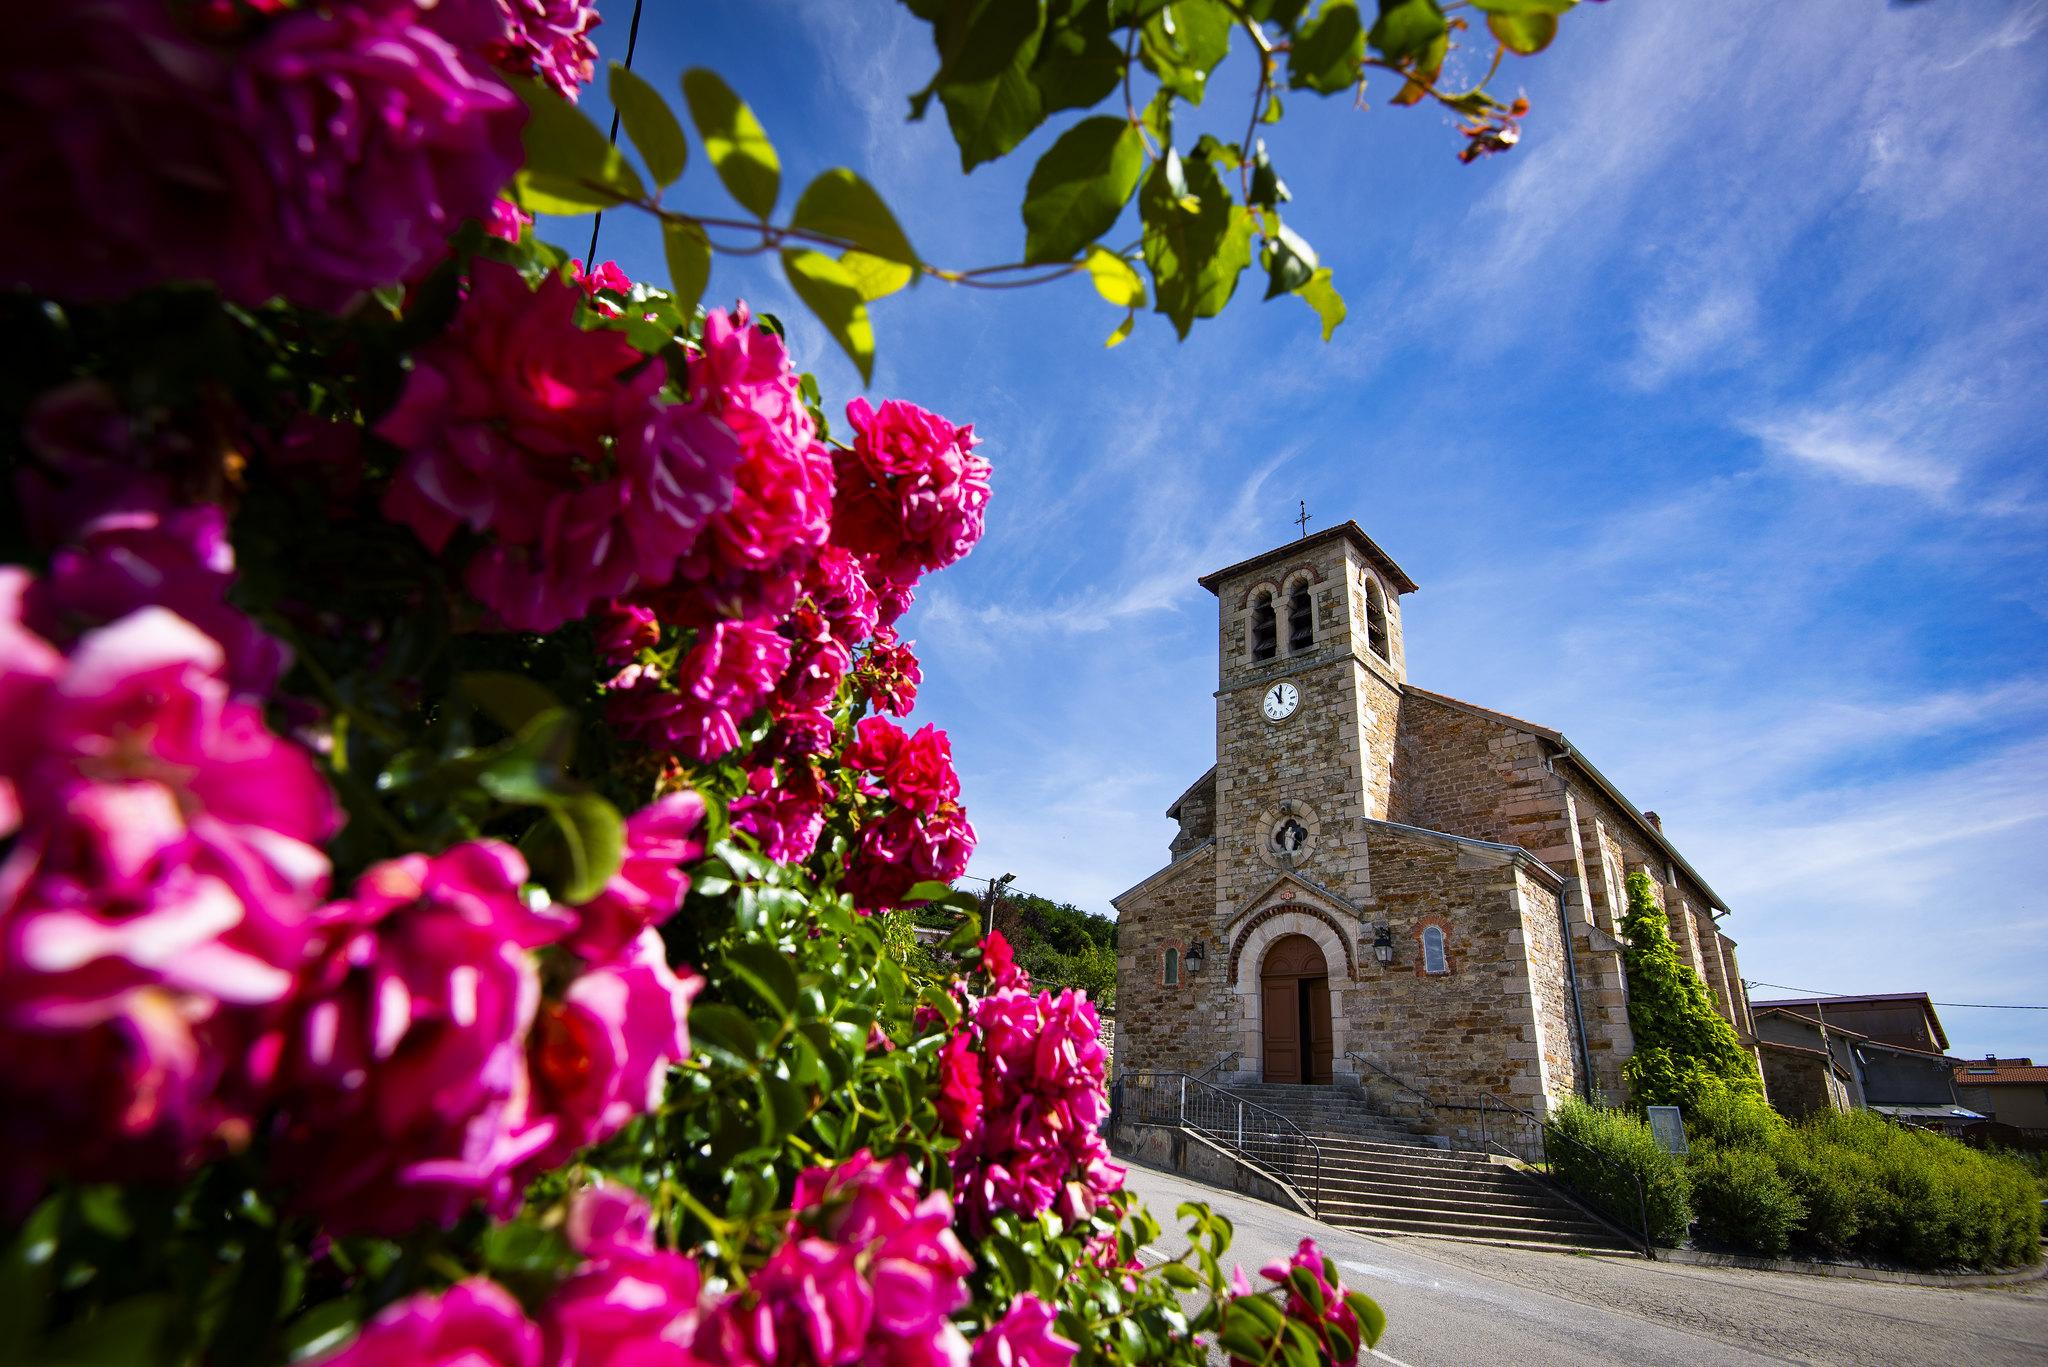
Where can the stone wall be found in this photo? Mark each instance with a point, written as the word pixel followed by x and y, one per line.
pixel 1183 1028
pixel 1196 813
pixel 1799 1080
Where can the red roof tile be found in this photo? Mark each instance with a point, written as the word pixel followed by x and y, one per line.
pixel 2006 1075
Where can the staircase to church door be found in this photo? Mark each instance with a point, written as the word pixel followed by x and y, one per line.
pixel 1294 1001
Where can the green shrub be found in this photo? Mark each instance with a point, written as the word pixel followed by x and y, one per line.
pixel 1590 1134
pixel 1841 1187
pixel 1923 1199
pixel 1732 1117
pixel 1742 1200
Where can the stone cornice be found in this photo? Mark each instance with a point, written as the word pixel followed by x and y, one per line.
pixel 1178 866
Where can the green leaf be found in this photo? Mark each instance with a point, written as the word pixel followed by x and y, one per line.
pixel 1080 186
pixel 829 290
pixel 1321 295
pixel 840 204
pixel 1195 251
pixel 130 1331
pixel 1078 61
pixel 984 80
pixel 1268 190
pixel 1406 28
pixel 874 277
pixel 767 970
pixel 1327 50
pixel 734 140
pixel 510 700
pixel 1184 42
pixel 718 1026
pixel 594 838
pixel 1290 262
pixel 1372 1320
pixel 1524 34
pixel 1115 280
pixel 322 1328
pixel 651 126
pixel 689 262
pixel 1518 8
pixel 571 167
pixel 1123 330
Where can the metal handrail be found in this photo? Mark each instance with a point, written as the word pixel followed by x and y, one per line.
pixel 1283 1149
pixel 1230 1057
pixel 1548 1134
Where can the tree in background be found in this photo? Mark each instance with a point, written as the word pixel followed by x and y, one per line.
pixel 1685 1051
pixel 1061 945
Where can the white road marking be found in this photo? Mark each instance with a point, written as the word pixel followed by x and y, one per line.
pixel 1386 1357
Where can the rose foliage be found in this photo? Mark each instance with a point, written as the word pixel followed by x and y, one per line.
pixel 446 796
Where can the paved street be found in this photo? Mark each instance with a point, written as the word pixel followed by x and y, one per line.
pixel 1451 1304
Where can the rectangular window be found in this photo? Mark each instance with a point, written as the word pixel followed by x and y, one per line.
pixel 1433 960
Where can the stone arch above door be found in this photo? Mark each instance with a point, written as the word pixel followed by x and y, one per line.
pixel 1284 918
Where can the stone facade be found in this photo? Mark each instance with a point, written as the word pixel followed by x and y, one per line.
pixel 1482 853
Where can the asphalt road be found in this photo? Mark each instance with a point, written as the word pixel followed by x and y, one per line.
pixel 1454 1304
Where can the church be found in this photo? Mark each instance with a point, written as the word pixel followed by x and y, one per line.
pixel 1379 881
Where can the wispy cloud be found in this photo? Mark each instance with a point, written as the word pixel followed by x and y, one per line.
pixel 1843 444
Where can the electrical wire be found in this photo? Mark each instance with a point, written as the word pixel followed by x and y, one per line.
pixel 632 42
pixel 1959 1006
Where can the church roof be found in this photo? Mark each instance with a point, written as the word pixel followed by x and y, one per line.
pixel 1208 777
pixel 1349 531
pixel 1600 780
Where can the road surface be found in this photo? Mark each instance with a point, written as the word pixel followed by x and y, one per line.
pixel 1454 1304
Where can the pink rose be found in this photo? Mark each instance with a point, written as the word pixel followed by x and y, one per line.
pixel 549 39
pixel 890 675
pixel 601 1055
pixel 911 491
pixel 471 1324
pixel 401 1073
pixel 724 680
pixel 1024 1337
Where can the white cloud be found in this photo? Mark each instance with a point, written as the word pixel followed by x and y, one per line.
pixel 1844 444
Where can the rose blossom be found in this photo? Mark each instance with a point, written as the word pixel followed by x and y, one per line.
pixel 630 1303
pixel 650 883
pixel 911 491
pixel 959 1100
pixel 519 423
pixel 752 558
pixel 475 1323
pixel 785 822
pixel 1329 1311
pixel 402 1073
pixel 723 680
pixel 1043 1103
pixel 889 675
pixel 382 130
pixel 549 39
pixel 601 1055
pixel 1024 1337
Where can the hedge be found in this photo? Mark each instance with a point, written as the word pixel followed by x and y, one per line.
pixel 1603 1150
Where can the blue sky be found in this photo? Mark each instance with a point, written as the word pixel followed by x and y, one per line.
pixel 1710 421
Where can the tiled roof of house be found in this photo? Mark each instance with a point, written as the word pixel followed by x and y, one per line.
pixel 1926 1005
pixel 2004 1075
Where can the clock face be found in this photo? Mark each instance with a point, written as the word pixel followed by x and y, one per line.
pixel 1281 700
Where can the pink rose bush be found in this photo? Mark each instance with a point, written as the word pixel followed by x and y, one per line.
pixel 1315 1301
pixel 315 154
pixel 1022 1086
pixel 459 794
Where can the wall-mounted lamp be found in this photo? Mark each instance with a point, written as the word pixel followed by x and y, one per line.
pixel 1383 943
pixel 1198 954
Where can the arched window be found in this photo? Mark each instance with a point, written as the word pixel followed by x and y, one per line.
pixel 1301 625
pixel 1376 618
pixel 1171 973
pixel 1433 960
pixel 1264 633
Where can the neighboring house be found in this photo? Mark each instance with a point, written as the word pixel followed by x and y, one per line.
pixel 1808 1067
pixel 1905 1019
pixel 2011 1091
pixel 1889 1044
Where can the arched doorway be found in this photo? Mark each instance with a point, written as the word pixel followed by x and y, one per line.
pixel 1294 1008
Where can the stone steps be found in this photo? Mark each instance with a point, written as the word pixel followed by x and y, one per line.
pixel 1380 1178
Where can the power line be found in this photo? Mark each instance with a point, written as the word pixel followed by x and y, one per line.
pixel 1958 1006
pixel 632 41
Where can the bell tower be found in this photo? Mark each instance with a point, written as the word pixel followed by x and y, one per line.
pixel 1310 668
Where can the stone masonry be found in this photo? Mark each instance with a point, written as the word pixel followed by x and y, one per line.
pixel 1484 849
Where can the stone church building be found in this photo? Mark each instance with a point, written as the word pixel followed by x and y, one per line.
pixel 1377 879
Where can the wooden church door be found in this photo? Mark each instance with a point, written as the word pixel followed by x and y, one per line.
pixel 1294 1000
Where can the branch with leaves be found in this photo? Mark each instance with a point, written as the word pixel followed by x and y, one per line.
pixel 1006 68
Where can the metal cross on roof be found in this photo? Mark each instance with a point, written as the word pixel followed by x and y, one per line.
pixel 1302 521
